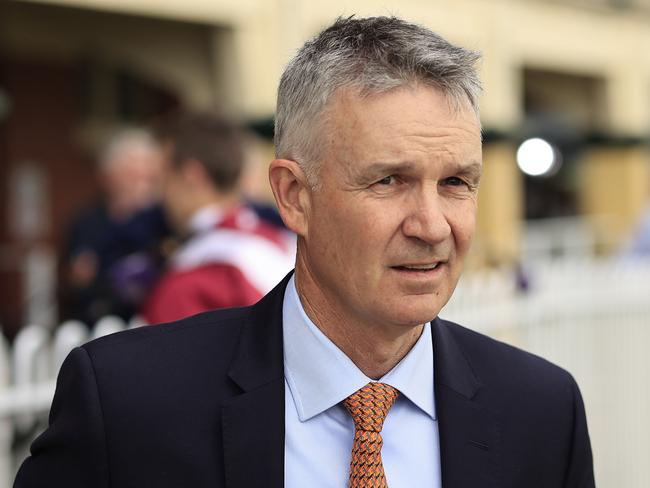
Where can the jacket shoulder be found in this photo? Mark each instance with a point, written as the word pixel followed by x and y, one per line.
pixel 195 344
pixel 221 322
pixel 500 364
pixel 536 406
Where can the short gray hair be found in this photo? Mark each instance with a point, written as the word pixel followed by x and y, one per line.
pixel 125 142
pixel 372 55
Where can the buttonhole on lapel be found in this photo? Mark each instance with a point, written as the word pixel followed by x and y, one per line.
pixel 480 445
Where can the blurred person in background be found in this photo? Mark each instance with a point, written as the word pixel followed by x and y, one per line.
pixel 113 248
pixel 229 256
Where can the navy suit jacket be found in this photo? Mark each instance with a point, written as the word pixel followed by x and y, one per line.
pixel 200 403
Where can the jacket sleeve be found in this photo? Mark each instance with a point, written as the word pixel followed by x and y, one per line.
pixel 580 471
pixel 72 452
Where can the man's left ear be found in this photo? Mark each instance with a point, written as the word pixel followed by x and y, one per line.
pixel 292 194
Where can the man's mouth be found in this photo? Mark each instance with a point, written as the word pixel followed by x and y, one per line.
pixel 418 267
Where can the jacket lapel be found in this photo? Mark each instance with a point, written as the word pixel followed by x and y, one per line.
pixel 253 422
pixel 469 434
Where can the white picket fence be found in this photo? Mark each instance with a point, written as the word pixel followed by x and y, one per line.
pixel 591 317
pixel 27 380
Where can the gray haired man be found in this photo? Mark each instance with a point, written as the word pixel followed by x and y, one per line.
pixel 343 375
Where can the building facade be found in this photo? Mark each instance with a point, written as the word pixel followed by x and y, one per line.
pixel 573 72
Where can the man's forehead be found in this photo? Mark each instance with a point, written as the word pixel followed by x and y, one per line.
pixel 355 114
pixel 426 106
pixel 376 133
pixel 357 95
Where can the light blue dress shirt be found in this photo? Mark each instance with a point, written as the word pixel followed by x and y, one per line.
pixel 318 429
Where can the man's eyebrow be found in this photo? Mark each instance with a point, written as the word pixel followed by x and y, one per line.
pixel 472 170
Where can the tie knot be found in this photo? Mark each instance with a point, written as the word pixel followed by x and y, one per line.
pixel 370 405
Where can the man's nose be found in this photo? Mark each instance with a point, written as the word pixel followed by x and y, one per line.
pixel 426 219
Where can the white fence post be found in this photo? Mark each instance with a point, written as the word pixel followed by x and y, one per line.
pixel 136 321
pixel 69 335
pixel 30 362
pixel 108 325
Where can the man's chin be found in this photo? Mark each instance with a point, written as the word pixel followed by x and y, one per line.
pixel 414 315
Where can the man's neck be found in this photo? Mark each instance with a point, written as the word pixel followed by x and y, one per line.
pixel 374 348
pixel 207 211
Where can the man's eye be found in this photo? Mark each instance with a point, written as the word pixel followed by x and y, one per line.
pixel 454 181
pixel 387 180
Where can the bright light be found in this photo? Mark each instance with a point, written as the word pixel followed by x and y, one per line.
pixel 537 157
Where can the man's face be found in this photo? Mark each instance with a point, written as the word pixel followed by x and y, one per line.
pixel 393 215
pixel 133 179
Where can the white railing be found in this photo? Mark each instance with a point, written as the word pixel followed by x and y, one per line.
pixel 590 316
pixel 27 380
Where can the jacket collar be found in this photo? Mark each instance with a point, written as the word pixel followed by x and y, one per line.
pixel 259 359
pixel 253 422
pixel 453 370
pixel 469 433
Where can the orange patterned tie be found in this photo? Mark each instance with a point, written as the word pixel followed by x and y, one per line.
pixel 369 407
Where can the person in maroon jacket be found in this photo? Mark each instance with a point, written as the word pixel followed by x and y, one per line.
pixel 229 256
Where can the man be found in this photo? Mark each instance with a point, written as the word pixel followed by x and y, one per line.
pixel 230 257
pixel 378 162
pixel 113 248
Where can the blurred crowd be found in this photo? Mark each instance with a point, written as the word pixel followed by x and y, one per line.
pixel 173 232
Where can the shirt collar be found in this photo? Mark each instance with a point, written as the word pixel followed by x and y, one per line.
pixel 320 375
pixel 205 218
